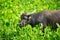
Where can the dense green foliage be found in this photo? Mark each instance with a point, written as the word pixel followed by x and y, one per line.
pixel 10 11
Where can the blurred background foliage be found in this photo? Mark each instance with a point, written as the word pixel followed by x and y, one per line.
pixel 10 11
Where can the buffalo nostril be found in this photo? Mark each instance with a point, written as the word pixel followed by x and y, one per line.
pixel 20 24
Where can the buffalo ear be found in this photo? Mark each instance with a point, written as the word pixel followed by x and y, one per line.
pixel 22 15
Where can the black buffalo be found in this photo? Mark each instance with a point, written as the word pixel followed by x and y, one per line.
pixel 46 17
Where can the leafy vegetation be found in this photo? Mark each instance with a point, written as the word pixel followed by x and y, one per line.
pixel 10 11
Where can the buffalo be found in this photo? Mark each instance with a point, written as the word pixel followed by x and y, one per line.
pixel 45 17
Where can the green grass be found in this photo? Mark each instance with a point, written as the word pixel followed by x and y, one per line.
pixel 10 11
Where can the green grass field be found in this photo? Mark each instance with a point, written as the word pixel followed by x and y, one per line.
pixel 10 11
